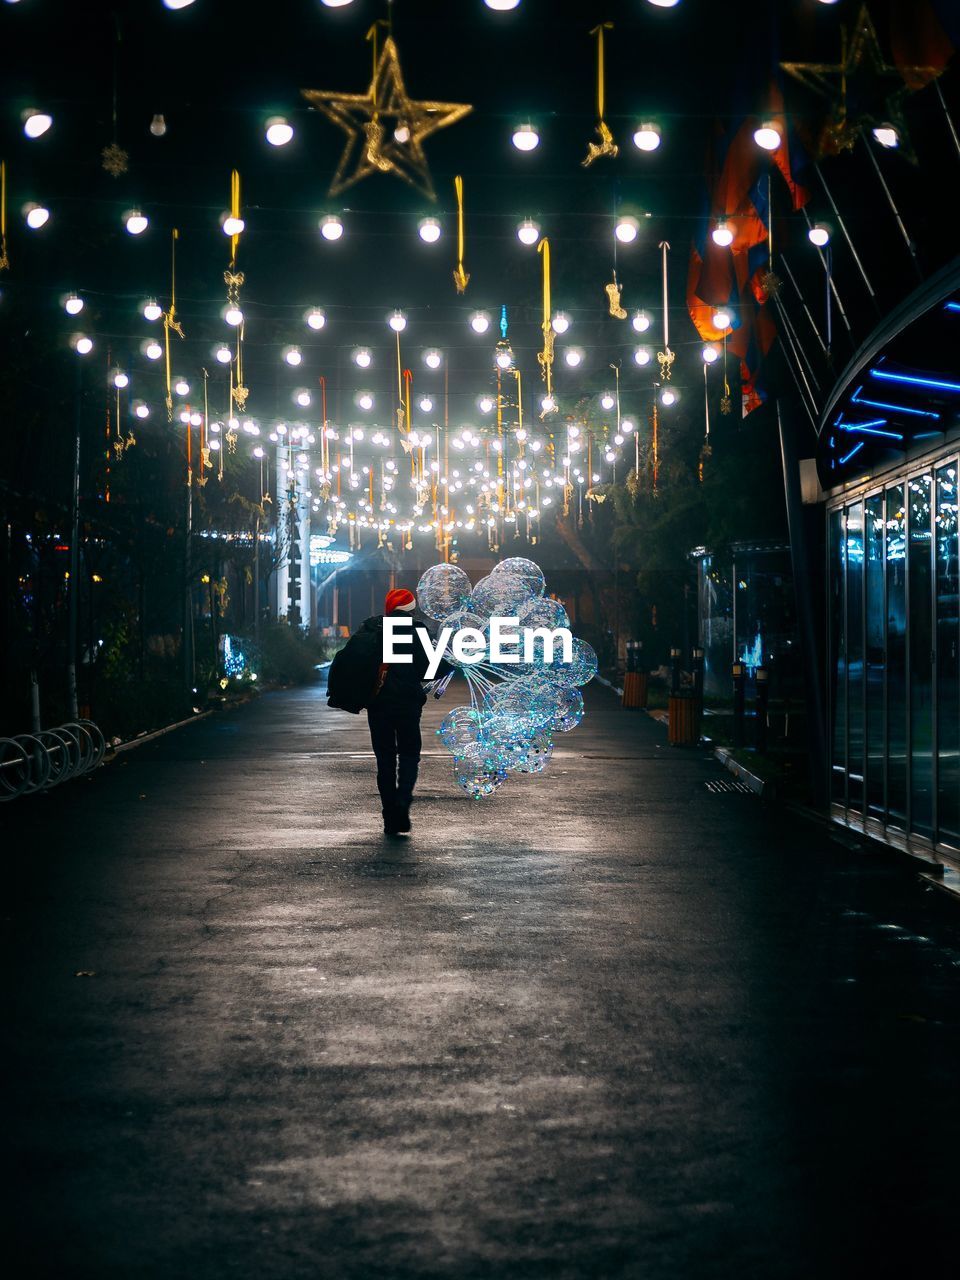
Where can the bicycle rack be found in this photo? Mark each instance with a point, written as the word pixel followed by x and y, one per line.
pixel 32 762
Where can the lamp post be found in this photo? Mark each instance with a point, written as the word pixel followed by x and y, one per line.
pixel 73 601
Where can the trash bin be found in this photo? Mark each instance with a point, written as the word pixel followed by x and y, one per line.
pixel 682 728
pixel 635 689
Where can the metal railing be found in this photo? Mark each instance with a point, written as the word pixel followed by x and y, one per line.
pixel 32 762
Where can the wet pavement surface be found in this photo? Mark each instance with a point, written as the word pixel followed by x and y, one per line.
pixel 612 1022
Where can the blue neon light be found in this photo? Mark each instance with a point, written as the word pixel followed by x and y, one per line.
pixel 865 429
pixel 894 408
pixel 856 449
pixel 952 306
pixel 914 380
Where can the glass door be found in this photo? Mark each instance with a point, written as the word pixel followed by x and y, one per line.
pixel 948 657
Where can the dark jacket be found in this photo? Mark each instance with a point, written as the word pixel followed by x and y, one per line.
pixel 402 689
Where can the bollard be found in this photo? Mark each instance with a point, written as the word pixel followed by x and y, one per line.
pixel 763 695
pixel 738 703
pixel 698 686
pixel 674 671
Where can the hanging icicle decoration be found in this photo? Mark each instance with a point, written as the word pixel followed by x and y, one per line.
pixel 545 357
pixel 4 258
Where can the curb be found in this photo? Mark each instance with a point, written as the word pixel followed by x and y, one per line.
pixel 156 733
pixel 740 771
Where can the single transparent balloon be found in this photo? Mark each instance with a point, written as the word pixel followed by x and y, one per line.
pixel 499 594
pixel 537 755
pixel 569 710
pixel 529 573
pixel 544 612
pixel 461 725
pixel 443 589
pixel 579 671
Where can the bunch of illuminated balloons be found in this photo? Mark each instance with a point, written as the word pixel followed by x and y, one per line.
pixel 515 708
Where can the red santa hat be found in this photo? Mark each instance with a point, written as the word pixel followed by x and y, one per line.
pixel 400 600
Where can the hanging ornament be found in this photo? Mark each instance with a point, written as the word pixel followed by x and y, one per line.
pixel 115 159
pixel 461 278
pixel 4 259
pixel 860 88
pixel 613 298
pixel 666 357
pixel 170 322
pixel 545 357
pixel 385 128
pixel 606 146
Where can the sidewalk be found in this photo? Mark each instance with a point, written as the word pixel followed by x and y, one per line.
pixel 612 1022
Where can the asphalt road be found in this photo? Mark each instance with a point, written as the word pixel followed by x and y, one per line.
pixel 610 1023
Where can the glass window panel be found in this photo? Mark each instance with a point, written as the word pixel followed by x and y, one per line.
pixel 896 559
pixel 838 663
pixel 921 656
pixel 855 656
pixel 948 656
pixel 873 654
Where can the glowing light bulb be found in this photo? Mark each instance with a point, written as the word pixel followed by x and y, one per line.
pixel 627 229
pixel 73 304
pixel 232 226
pixel 560 322
pixel 36 216
pixel 177 4
pixel 819 234
pixel 642 355
pixel 626 425
pixel 397 322
pixel 36 123
pixel 432 359
pixel 768 136
pixel 365 401
pixel 886 135
pixel 502 6
pixel 315 318
pixel 526 137
pixel 480 322
pixel 302 398
pixel 664 4
pixel 182 387
pixel 426 404
pixel 152 310
pixel 668 396
pixel 721 319
pixel 548 404
pixel 293 356
pixel 224 354
pixel 573 357
pixel 430 230
pixel 504 358
pixel 331 228
pixel 362 358
pixel 647 137
pixel 158 126
pixel 141 410
pixel 120 380
pixel 722 234
pixel 710 355
pixel 640 322
pixel 135 222
pixel 152 350
pixel 337 4
pixel 607 401
pixel 279 131
pixel 233 315
pixel 486 404
pixel 528 232
pixel 82 344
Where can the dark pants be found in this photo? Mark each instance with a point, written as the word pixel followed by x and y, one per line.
pixel 396 744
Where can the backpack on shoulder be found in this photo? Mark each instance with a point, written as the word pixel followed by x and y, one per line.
pixel 355 674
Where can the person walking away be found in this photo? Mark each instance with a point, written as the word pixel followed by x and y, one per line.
pixel 394 716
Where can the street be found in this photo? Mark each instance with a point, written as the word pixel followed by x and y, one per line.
pixel 610 1022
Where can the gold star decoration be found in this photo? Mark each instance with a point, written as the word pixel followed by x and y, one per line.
pixel 385 128
pixel 859 88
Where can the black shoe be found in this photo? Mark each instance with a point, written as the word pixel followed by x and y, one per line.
pixel 391 819
pixel 402 819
